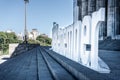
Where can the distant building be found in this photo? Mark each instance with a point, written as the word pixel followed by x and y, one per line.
pixel 20 36
pixel 33 34
pixel 30 35
pixel 9 31
pixel 44 35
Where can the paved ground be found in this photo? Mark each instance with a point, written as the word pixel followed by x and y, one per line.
pixel 40 64
pixel 33 65
pixel 112 58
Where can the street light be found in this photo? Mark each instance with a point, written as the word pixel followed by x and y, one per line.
pixel 25 29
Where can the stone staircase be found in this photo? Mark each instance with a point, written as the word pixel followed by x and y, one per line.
pixel 109 44
pixel 79 71
pixel 21 48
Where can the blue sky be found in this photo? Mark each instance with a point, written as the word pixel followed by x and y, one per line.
pixel 40 14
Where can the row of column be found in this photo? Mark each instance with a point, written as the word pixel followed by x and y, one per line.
pixel 113 21
pixel 87 7
pixel 111 27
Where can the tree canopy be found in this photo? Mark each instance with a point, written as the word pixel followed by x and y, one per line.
pixel 44 40
pixel 6 39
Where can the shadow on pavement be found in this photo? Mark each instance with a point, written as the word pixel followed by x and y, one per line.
pixel 22 48
pixel 5 58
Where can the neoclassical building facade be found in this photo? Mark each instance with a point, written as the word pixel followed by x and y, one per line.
pixel 93 20
pixel 111 26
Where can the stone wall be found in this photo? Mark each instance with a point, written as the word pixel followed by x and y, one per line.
pixel 12 48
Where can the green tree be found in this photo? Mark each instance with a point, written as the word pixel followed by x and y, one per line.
pixel 46 41
pixel 11 38
pixel 6 39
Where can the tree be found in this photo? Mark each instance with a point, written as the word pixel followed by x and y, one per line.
pixel 6 39
pixel 46 41
pixel 11 38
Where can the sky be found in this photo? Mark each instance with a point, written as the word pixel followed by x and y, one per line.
pixel 40 14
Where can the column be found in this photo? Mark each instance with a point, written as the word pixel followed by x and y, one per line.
pixel 75 11
pixel 91 6
pixel 100 4
pixel 117 18
pixel 103 25
pixel 84 8
pixel 79 3
pixel 111 19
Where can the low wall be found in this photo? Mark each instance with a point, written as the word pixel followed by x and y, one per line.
pixel 12 48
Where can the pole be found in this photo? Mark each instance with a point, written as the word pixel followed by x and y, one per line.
pixel 25 29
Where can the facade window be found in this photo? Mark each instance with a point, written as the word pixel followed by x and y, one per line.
pixel 85 30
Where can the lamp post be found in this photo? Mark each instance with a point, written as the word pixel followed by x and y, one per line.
pixel 25 29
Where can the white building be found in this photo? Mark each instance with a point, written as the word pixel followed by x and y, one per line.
pixel 9 31
pixel 33 35
pixel 20 36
